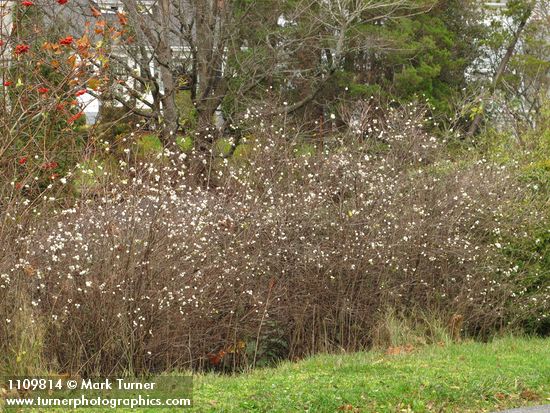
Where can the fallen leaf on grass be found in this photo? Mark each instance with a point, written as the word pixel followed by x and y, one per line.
pixel 529 395
pixel 400 350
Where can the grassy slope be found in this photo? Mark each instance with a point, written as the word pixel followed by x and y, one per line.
pixel 469 377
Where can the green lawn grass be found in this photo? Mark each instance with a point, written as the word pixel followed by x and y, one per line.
pixel 466 377
pixel 469 377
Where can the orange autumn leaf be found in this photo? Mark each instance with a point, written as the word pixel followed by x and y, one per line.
pixel 83 43
pixel 392 351
pixel 123 20
pixel 50 46
pixel 93 83
pixel 216 358
pixel 54 47
pixel 95 12
pixel 72 60
pixel 529 395
pixel 100 27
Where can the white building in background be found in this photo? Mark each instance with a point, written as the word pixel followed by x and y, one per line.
pixel 5 26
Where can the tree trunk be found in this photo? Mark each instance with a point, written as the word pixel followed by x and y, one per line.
pixel 502 67
pixel 167 74
pixel 162 52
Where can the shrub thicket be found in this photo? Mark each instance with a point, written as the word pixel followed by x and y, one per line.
pixel 274 253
